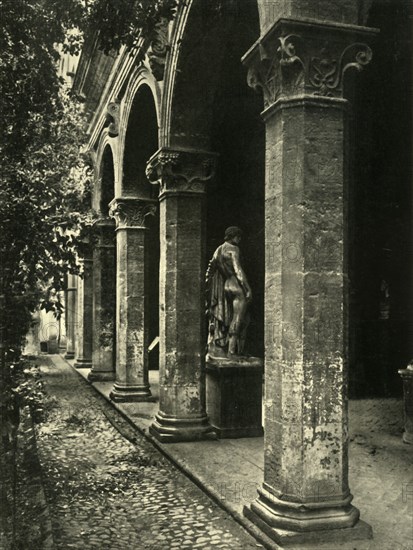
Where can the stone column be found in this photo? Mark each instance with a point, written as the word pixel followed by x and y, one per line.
pixel 300 67
pixel 132 380
pixel 71 315
pixel 85 315
pixel 182 175
pixel 104 296
pixel 62 322
pixel 407 377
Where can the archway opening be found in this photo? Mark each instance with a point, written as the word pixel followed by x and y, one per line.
pixel 104 276
pixel 214 109
pixel 236 196
pixel 381 210
pixel 107 182
pixel 141 142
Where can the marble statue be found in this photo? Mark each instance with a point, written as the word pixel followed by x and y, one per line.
pixel 228 297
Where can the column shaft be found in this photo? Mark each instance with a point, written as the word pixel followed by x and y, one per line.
pixel 306 316
pixel 71 316
pixel 104 297
pixel 182 175
pixel 62 322
pixel 132 381
pixel 85 316
pixel 305 495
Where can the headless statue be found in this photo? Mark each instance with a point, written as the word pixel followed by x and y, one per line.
pixel 228 296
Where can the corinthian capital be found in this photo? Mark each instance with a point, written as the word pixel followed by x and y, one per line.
pixel 304 58
pixel 131 212
pixel 181 170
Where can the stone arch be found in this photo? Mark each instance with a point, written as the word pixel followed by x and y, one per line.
pixel 105 174
pixel 138 138
pixel 140 77
pixel 137 238
pixel 104 263
pixel 209 106
pixel 209 116
pixel 266 12
pixel 194 66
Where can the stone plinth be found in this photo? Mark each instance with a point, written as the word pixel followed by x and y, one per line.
pixel 407 377
pixel 52 346
pixel 234 396
pixel 85 316
pixel 300 67
pixel 182 175
pixel 104 296
pixel 132 382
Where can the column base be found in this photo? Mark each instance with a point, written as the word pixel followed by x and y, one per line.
pixel 101 376
pixel 131 394
pixel 293 523
pixel 172 429
pixel 83 363
pixel 69 355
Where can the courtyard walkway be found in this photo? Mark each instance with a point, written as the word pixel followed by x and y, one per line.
pixel 108 488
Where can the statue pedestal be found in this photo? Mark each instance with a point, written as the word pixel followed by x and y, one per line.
pixel 234 396
pixel 407 377
pixel 52 346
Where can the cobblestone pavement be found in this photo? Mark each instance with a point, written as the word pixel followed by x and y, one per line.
pixel 108 487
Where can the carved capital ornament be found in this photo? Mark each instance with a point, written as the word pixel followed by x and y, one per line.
pixel 181 171
pixel 131 212
pixel 301 58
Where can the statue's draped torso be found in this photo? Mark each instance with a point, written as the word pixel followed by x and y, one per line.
pixel 225 287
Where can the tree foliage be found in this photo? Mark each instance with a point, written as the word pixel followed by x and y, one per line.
pixel 120 21
pixel 45 177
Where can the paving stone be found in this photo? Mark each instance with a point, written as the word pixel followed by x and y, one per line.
pixel 120 495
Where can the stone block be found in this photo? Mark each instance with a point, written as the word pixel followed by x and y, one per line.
pixel 52 346
pixel 234 396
